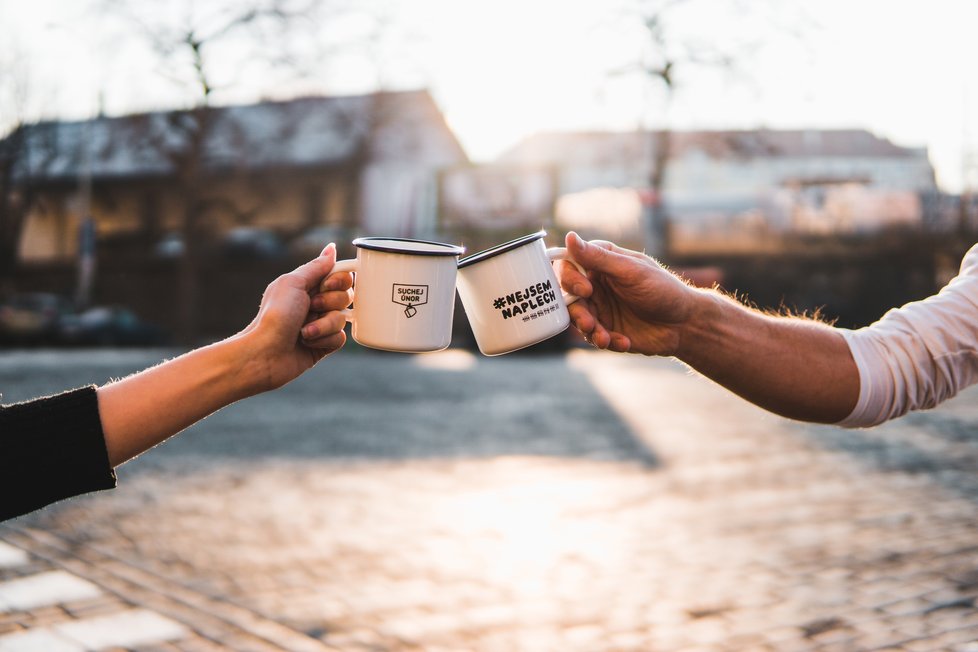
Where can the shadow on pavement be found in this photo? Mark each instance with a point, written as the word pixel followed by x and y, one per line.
pixel 389 406
pixel 372 405
pixel 941 444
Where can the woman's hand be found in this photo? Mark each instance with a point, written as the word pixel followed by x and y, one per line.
pixel 296 327
pixel 298 323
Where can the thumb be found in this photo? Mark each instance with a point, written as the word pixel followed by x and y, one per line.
pixel 316 269
pixel 598 256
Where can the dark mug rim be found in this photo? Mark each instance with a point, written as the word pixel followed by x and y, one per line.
pixel 492 252
pixel 373 243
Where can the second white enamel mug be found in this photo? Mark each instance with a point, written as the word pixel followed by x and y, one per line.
pixel 511 295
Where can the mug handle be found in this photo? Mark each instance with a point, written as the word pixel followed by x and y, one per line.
pixel 348 265
pixel 560 253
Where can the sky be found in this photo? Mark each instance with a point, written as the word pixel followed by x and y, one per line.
pixel 504 69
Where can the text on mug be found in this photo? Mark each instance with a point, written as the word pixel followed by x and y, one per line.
pixel 529 298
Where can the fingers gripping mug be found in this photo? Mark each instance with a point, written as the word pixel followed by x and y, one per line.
pixel 404 293
pixel 511 296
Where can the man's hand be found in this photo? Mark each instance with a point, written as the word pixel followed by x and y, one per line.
pixel 629 303
pixel 799 368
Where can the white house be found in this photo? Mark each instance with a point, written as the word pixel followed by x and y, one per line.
pixel 720 181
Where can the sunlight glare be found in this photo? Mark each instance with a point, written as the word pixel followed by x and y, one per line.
pixel 447 360
pixel 522 529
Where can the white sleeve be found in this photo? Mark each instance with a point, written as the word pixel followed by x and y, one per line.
pixel 919 355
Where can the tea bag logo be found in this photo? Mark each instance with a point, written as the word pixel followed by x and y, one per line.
pixel 410 296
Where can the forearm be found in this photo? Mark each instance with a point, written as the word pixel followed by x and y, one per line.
pixel 796 367
pixel 143 409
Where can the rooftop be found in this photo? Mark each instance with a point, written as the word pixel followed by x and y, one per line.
pixel 308 131
pixel 606 146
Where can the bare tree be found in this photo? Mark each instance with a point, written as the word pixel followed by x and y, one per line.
pixel 187 49
pixel 667 56
pixel 17 164
pixel 14 201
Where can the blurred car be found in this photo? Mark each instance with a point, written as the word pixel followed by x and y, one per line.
pixel 249 243
pixel 310 242
pixel 170 246
pixel 32 318
pixel 109 326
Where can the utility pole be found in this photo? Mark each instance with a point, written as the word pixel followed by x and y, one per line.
pixel 86 224
pixel 969 187
pixel 969 172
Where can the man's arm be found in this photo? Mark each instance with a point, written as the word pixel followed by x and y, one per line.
pixel 796 367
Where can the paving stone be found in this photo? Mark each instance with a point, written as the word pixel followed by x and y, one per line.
pixel 11 556
pixel 156 647
pixel 919 645
pixel 53 587
pixel 43 617
pixel 39 640
pixel 959 636
pixel 198 645
pixel 125 629
pixel 94 607
pixel 621 642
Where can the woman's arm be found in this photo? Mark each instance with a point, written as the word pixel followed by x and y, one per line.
pixel 143 409
pixel 288 336
pixel 60 446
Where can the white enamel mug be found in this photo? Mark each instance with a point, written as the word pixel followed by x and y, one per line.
pixel 511 295
pixel 403 293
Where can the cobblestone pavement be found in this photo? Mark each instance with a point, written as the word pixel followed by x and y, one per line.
pixel 453 502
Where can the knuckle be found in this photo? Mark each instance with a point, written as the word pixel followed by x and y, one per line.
pixel 279 282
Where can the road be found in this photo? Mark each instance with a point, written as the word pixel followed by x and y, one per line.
pixel 588 501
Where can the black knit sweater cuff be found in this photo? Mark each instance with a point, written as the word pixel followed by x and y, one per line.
pixel 51 448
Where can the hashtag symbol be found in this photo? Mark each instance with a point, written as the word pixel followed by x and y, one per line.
pixel 499 303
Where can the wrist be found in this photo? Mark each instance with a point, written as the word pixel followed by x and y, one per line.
pixel 702 325
pixel 247 361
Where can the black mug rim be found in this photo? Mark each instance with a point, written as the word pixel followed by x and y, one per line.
pixel 372 243
pixel 492 252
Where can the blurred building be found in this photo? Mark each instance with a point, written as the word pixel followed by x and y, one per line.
pixel 735 188
pixel 275 172
pixel 483 205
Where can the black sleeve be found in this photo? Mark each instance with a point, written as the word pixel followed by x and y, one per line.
pixel 51 448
